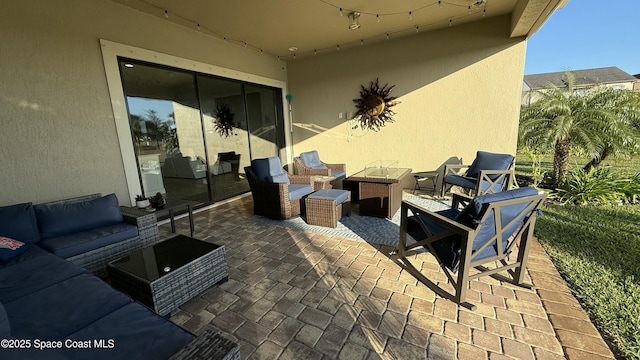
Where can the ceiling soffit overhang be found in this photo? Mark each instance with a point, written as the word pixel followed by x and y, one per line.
pixel 529 15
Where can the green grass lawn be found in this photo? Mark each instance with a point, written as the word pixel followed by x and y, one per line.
pixel 597 250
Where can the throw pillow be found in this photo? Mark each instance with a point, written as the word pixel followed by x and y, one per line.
pixel 11 247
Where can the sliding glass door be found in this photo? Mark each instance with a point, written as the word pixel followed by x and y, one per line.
pixel 194 133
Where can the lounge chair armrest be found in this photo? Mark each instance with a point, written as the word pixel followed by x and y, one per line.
pixel 454 168
pixel 300 179
pixel 440 219
pixel 336 167
pixel 460 200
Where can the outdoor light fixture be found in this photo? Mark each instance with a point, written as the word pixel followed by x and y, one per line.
pixel 353 20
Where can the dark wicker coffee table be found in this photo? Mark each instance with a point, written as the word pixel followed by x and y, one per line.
pixel 169 273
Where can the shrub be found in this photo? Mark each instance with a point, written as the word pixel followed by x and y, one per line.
pixel 630 188
pixel 596 186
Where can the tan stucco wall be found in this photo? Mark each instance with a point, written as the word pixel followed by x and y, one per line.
pixel 459 89
pixel 58 137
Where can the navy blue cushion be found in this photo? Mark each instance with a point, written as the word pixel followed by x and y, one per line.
pixel 263 168
pixel 280 178
pixel 67 246
pixel 68 218
pixel 19 222
pixel 137 332
pixel 339 196
pixel 296 191
pixel 59 310
pixel 31 251
pixel 463 181
pixel 38 272
pixel 5 328
pixel 489 161
pixel 11 247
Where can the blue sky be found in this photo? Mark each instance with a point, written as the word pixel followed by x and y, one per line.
pixel 587 34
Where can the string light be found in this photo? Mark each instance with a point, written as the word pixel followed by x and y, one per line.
pixel 484 12
pixel 377 17
pixel 469 12
pixel 338 47
pixel 315 52
pixel 340 11
pixel 166 14
pixel 439 3
pixel 361 42
pixel 416 28
pixel 411 15
pixel 387 36
pixel 450 22
pixel 198 27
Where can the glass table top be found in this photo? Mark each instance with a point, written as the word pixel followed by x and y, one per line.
pixel 153 262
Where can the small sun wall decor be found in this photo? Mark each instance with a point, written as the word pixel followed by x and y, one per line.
pixel 374 106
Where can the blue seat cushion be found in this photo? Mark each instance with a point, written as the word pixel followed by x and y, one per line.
pixel 19 222
pixel 338 174
pixel 63 308
pixel 67 246
pixel 311 159
pixel 68 218
pixel 39 270
pixel 296 191
pixel 269 169
pixel 489 161
pixel 137 332
pixel 339 196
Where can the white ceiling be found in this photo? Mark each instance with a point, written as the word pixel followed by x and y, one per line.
pixel 274 26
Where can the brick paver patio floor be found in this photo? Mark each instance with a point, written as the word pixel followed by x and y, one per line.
pixel 301 295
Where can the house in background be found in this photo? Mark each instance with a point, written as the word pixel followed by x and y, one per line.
pixel 97 94
pixel 607 76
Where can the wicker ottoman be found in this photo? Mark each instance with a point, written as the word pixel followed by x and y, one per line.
pixel 326 207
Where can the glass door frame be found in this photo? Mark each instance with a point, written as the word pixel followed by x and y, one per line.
pixel 110 53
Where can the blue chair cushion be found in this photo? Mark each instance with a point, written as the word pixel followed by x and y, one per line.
pixel 68 218
pixel 448 249
pixel 5 328
pixel 280 178
pixel 267 167
pixel 19 222
pixel 10 248
pixel 489 161
pixel 339 196
pixel 312 159
pixel 338 174
pixel 297 191
pixel 74 244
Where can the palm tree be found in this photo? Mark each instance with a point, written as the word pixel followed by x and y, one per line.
pixel 563 118
pixel 622 136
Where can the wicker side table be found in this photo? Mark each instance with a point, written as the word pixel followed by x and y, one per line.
pixel 210 346
pixel 321 182
pixel 326 207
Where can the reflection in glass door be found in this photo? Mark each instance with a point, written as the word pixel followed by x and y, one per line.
pixel 264 111
pixel 194 133
pixel 226 138
pixel 165 121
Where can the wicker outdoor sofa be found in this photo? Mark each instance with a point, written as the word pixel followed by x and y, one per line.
pixel 95 259
pixel 51 308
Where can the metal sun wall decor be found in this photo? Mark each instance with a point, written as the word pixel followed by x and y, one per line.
pixel 374 106
pixel 223 119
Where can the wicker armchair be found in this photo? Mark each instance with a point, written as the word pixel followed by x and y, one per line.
pixel 309 163
pixel 276 194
